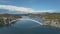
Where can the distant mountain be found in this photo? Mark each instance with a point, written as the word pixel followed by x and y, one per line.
pixel 4 11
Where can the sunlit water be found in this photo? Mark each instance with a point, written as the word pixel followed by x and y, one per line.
pixel 28 27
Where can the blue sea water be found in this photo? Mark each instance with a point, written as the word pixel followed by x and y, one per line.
pixel 28 27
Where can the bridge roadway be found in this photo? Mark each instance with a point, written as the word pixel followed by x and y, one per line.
pixel 27 19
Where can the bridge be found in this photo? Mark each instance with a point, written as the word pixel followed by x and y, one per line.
pixel 28 19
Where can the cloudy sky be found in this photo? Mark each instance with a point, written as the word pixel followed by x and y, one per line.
pixel 29 6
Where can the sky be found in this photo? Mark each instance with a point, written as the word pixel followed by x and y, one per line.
pixel 29 6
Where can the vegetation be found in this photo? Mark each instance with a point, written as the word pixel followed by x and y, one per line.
pixel 6 18
pixel 50 19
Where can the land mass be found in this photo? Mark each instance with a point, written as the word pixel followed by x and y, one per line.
pixel 50 19
pixel 6 19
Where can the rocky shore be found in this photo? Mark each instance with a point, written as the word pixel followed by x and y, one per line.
pixel 53 23
pixel 8 19
pixel 50 19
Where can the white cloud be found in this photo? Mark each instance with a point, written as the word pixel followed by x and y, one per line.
pixel 23 9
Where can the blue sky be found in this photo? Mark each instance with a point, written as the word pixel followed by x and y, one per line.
pixel 33 5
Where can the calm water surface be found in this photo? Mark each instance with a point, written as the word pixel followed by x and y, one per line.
pixel 28 27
